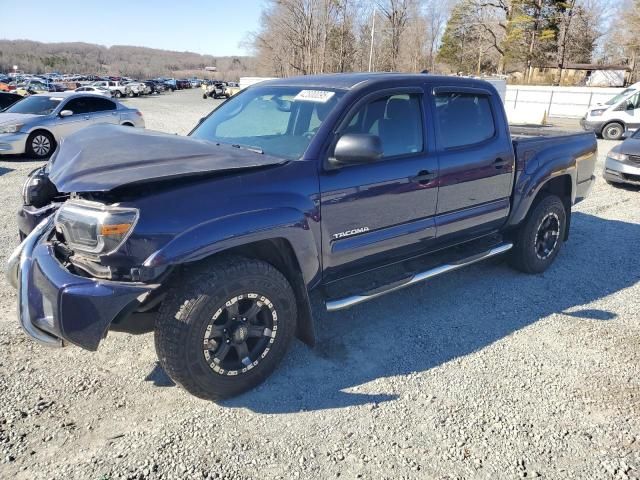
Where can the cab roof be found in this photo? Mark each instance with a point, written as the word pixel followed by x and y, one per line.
pixel 349 81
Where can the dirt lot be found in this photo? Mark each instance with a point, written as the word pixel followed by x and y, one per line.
pixel 484 373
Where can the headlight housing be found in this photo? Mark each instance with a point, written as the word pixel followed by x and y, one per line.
pixel 597 113
pixel 13 128
pixel 94 228
pixel 618 156
pixel 38 189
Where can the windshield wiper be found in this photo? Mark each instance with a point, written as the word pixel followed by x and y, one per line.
pixel 248 147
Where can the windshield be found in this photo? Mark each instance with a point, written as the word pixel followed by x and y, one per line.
pixel 35 105
pixel 279 121
pixel 620 96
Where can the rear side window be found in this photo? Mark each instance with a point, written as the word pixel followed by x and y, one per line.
pixel 100 104
pixel 396 119
pixel 464 118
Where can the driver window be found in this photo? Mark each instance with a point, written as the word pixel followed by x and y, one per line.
pixel 396 119
pixel 77 106
pixel 252 123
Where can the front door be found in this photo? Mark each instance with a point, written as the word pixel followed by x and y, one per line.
pixel 67 125
pixel 375 212
pixel 629 111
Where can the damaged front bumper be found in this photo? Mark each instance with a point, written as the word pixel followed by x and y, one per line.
pixel 55 306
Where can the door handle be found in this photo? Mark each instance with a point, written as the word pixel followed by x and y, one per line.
pixel 424 177
pixel 500 163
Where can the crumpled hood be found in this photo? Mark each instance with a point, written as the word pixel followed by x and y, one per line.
pixel 102 157
pixel 10 118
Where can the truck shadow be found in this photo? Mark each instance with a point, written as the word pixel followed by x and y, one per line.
pixel 420 328
pixel 4 171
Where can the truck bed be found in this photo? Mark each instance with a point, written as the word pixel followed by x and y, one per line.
pixel 534 146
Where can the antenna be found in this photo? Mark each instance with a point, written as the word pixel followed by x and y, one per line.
pixel 373 30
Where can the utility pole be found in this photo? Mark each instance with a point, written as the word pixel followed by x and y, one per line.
pixel 373 30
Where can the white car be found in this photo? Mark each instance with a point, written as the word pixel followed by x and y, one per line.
pixel 93 89
pixel 117 89
pixel 137 88
pixel 613 118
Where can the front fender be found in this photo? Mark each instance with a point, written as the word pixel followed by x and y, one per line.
pixel 236 230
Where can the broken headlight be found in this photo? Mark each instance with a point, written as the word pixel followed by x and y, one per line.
pixel 94 228
pixel 38 189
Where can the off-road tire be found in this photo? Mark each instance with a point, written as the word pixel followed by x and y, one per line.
pixel 189 308
pixel 524 256
pixel 37 151
pixel 612 131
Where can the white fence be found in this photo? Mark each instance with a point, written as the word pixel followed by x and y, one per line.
pixel 529 104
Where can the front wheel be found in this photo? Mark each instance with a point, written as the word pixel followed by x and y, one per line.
pixel 118 94
pixel 613 131
pixel 540 237
pixel 225 329
pixel 40 144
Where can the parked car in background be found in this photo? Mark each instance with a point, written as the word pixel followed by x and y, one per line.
pixel 105 92
pixel 117 88
pixel 215 90
pixel 183 84
pixel 232 88
pixel 57 87
pixel 36 124
pixel 623 161
pixel 136 89
pixel 356 185
pixel 155 87
pixel 613 118
pixel 31 87
pixel 7 99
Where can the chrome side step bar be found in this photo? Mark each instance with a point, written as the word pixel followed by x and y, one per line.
pixel 342 303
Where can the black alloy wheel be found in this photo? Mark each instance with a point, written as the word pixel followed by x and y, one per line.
pixel 240 334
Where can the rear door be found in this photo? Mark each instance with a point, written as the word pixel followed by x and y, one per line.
pixel 476 162
pixel 376 212
pixel 102 110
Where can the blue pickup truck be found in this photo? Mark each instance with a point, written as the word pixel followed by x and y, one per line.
pixel 354 184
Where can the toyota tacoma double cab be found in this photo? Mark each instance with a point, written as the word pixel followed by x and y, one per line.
pixel 353 184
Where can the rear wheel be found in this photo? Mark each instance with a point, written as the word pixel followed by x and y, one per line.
pixel 40 144
pixel 225 329
pixel 118 94
pixel 540 237
pixel 613 131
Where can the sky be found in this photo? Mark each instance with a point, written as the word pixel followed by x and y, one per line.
pixel 215 27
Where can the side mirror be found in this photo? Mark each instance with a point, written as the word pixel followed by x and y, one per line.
pixel 356 148
pixel 66 113
pixel 630 106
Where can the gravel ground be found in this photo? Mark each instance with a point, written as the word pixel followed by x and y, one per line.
pixel 483 373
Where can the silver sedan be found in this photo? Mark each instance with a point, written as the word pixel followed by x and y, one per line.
pixel 36 124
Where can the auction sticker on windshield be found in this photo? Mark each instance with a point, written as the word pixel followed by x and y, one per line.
pixel 320 96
